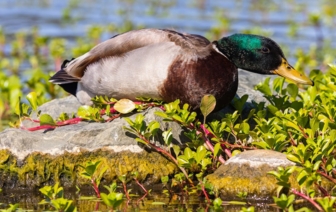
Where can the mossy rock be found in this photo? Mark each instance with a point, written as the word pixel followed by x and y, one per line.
pixel 39 169
pixel 248 172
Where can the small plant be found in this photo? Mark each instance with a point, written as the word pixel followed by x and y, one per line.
pixel 94 171
pixel 145 133
pixel 123 179
pixel 55 198
pixel 285 202
pixel 113 199
pixel 11 208
pixel 217 204
pixel 249 209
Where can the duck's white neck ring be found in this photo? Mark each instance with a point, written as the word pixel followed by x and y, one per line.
pixel 217 50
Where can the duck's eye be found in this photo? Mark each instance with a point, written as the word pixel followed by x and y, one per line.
pixel 265 50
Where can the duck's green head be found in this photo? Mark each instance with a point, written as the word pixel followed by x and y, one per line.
pixel 260 55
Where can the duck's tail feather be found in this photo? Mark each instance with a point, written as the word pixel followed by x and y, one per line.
pixel 62 77
pixel 66 81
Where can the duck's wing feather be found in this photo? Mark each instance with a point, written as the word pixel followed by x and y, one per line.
pixel 126 42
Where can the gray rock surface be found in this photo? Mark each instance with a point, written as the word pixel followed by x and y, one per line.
pixel 260 157
pixel 247 81
pixel 76 137
pixel 92 136
pixel 248 172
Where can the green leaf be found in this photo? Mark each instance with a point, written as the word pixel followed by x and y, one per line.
pixel 164 179
pixel 217 203
pixel 244 127
pixel 158 203
pixel 106 200
pixel 327 202
pixel 272 109
pixel 167 137
pixel 183 159
pixel 239 103
pixel 208 104
pixel 217 148
pixel 292 90
pixel 188 153
pixel 261 144
pixel 293 158
pixel 278 83
pixel 333 66
pixel 124 106
pixel 21 109
pixel 235 152
pixel 201 152
pixel 46 119
pixel 153 127
pixel 141 141
pixel 264 87
pixel 13 207
pixel 84 111
pixel 32 98
pixel 237 203
pixel 177 118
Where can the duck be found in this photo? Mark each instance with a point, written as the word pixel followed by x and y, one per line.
pixel 166 65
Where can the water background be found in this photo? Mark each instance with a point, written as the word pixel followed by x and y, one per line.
pixel 275 18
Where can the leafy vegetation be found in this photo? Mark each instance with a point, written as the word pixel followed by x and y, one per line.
pixel 298 122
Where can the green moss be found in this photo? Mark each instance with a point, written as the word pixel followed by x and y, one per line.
pixel 39 169
pixel 230 180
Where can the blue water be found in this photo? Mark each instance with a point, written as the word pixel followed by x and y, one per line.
pixel 192 16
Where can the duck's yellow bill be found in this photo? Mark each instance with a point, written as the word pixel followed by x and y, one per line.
pixel 287 71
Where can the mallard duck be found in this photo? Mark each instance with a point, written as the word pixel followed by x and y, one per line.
pixel 169 65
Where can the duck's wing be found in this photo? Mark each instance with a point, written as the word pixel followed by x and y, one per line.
pixel 121 44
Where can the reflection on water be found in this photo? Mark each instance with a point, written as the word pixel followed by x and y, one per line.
pixel 155 201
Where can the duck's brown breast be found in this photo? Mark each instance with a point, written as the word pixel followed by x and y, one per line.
pixel 190 81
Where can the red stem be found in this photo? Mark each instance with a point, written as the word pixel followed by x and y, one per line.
pixel 69 121
pixel 228 152
pixel 59 123
pixel 142 198
pixel 125 190
pixel 323 190
pixel 205 193
pixel 39 127
pixel 326 176
pixel 95 187
pixel 209 144
pixel 317 206
pixel 303 132
pixel 158 149
pixel 141 186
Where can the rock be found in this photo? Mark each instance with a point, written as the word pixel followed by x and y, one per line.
pixel 247 81
pixel 248 172
pixel 76 137
pixel 69 146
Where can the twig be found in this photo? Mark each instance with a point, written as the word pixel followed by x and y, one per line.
pixel 205 193
pixel 125 190
pixel 317 206
pixel 141 186
pixel 326 176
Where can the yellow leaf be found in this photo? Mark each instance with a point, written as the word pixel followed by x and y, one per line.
pixel 124 106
